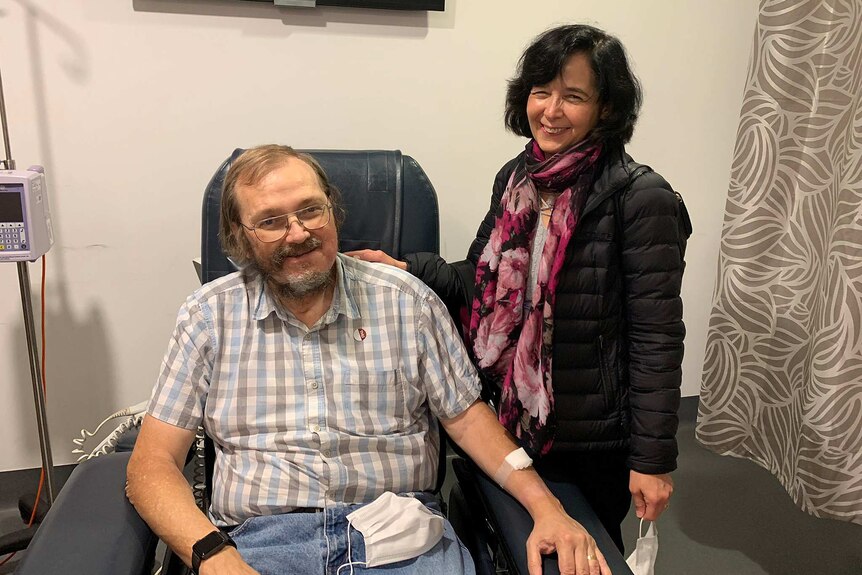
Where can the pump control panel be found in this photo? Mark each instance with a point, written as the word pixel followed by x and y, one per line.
pixel 26 232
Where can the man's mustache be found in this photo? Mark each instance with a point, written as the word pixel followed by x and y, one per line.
pixel 292 250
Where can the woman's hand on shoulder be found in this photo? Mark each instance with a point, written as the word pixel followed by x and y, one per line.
pixel 377 256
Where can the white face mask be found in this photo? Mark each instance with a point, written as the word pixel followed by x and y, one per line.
pixel 642 560
pixel 396 529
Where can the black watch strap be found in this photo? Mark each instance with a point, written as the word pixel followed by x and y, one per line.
pixel 208 546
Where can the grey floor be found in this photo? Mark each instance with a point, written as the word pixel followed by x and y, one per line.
pixel 728 516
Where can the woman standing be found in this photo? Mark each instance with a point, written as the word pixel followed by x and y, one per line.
pixel 572 286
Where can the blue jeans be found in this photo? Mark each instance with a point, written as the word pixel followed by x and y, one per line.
pixel 317 543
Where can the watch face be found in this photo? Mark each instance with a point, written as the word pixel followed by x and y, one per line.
pixel 210 544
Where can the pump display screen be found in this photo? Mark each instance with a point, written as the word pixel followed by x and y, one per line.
pixel 11 208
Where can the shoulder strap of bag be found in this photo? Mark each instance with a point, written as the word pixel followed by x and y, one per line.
pixel 683 220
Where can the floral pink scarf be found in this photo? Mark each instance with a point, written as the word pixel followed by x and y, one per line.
pixel 512 349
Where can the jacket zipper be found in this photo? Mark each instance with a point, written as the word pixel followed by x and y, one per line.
pixel 607 381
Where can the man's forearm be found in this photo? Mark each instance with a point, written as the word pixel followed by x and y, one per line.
pixel 163 498
pixel 487 443
pixel 480 435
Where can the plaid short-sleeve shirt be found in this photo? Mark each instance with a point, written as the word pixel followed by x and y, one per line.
pixel 305 417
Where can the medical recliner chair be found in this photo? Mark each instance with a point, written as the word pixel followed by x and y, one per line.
pixel 92 528
pixel 391 206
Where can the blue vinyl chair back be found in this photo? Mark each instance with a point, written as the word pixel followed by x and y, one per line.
pixel 390 203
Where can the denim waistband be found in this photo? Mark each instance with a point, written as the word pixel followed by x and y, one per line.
pixel 306 510
pixel 425 497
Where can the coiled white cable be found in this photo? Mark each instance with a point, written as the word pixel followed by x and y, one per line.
pixel 199 473
pixel 135 415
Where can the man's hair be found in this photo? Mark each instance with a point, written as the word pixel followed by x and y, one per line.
pixel 619 91
pixel 249 169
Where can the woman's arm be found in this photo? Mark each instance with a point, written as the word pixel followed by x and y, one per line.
pixel 652 268
pixel 452 282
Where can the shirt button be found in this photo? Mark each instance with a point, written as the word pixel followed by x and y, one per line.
pixel 327 453
pixel 314 385
pixel 315 428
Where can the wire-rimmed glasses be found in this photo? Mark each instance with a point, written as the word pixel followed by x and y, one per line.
pixel 272 229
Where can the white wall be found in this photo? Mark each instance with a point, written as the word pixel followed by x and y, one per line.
pixel 131 105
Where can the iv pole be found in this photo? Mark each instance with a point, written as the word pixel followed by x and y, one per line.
pixel 32 344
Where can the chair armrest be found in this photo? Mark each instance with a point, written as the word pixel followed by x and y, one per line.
pixel 513 523
pixel 92 528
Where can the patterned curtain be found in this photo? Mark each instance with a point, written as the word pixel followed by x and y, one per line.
pixel 782 382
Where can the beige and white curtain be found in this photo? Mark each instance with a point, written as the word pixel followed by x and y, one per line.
pixel 782 382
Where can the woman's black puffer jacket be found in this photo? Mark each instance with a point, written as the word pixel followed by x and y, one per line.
pixel 618 337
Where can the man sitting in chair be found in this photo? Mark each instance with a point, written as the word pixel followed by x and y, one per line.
pixel 319 378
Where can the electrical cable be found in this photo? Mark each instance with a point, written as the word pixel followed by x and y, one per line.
pixel 135 414
pixel 44 386
pixel 45 391
pixel 109 444
pixel 199 485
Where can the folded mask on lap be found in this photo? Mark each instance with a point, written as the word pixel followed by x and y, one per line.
pixel 396 528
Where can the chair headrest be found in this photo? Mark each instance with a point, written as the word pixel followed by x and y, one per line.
pixel 390 204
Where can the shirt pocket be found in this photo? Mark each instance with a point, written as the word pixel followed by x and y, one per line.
pixel 371 403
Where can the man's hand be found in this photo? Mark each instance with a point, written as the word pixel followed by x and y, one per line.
pixel 479 433
pixel 377 256
pixel 226 562
pixel 577 552
pixel 651 494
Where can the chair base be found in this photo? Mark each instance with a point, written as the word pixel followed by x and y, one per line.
pixel 25 507
pixel 17 540
pixel 92 528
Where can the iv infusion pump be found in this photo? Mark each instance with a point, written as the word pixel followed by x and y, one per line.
pixel 26 232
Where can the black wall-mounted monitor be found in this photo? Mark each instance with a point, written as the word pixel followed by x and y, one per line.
pixel 436 5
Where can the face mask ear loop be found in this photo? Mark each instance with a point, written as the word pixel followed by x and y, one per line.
pixel 350 561
pixel 349 551
pixel 326 536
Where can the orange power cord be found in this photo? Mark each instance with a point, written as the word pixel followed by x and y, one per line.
pixel 45 392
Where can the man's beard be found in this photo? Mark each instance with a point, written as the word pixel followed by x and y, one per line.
pixel 304 283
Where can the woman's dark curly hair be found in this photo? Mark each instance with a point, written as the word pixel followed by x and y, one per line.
pixel 619 90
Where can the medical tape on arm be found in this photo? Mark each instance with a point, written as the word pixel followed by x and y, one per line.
pixel 516 460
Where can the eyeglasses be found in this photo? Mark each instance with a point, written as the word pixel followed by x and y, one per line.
pixel 272 229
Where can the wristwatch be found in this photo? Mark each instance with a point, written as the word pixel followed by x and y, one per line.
pixel 209 546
